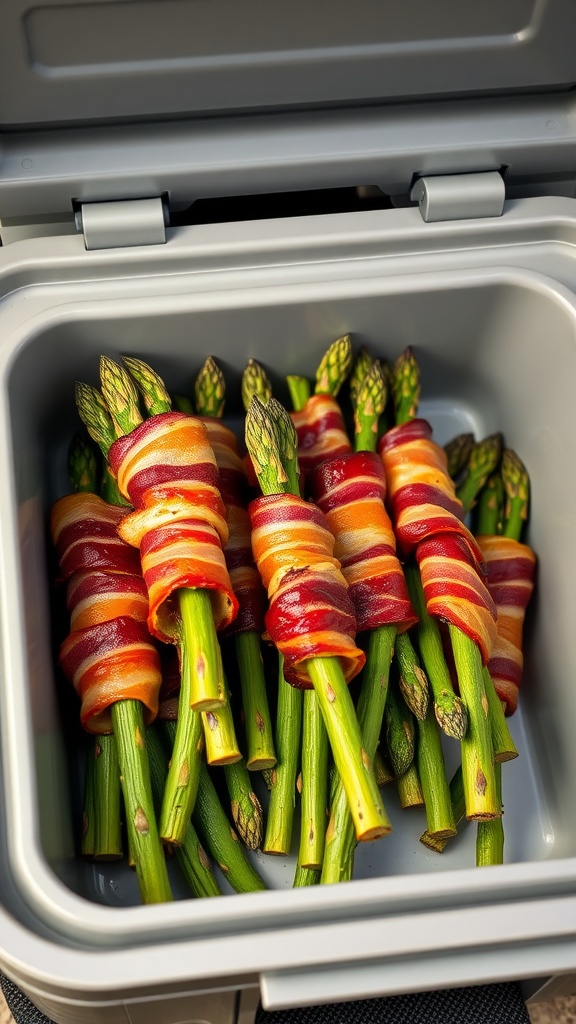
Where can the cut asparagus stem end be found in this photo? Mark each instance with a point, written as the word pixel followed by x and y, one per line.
pixel 202 650
pixel 481 796
pixel 334 367
pixel 95 416
pixel 406 386
pixel 210 390
pixel 410 789
pixel 353 764
pixel 490 834
pixel 120 394
pixel 255 381
pixel 220 736
pixel 458 452
pixel 150 385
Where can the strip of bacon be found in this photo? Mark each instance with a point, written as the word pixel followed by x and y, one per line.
pixel 510 568
pixel 310 614
pixel 350 490
pixel 83 528
pixel 321 432
pixel 168 470
pixel 94 597
pixel 109 662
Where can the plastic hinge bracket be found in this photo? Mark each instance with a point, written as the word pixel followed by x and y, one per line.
pixel 460 196
pixel 120 223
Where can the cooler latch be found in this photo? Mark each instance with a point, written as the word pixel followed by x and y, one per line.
pixel 121 223
pixel 460 196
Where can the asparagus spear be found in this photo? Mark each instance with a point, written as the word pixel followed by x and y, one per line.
pixel 102 800
pixel 484 459
pixel 490 506
pixel 405 386
pixel 305 876
pixel 245 805
pixel 458 452
pixel 476 745
pixel 490 835
pixel 399 733
pixel 457 801
pixel 191 857
pixel 268 439
pixel 201 660
pixel 410 788
pixel 278 837
pixel 412 679
pixel 334 367
pixel 360 370
pixel 210 393
pixel 255 381
pixel 88 838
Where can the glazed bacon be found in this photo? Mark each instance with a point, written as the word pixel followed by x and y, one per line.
pixel 310 614
pixel 167 469
pixel 350 491
pixel 428 518
pixel 109 655
pixel 321 432
pixel 244 575
pixel 510 568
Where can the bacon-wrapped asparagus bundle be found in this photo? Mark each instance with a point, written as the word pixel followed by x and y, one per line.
pixel 246 583
pixel 310 618
pixel 170 473
pixel 429 521
pixel 111 660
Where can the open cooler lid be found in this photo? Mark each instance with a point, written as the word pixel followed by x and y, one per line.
pixel 307 95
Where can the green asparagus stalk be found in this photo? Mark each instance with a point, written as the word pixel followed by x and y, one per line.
pixel 221 840
pixel 484 459
pixel 152 388
pixel 399 733
pixel 103 777
pixel 334 367
pixel 410 788
pixel 278 838
pixel 406 386
pixel 210 393
pixel 371 399
pixel 458 452
pixel 490 834
pixel 340 834
pixel 184 771
pixel 210 390
pixel 305 876
pixel 432 772
pixel 88 838
pixel 458 812
pixel 143 839
pixel 360 370
pixel 517 487
pixel 449 709
pixel 266 439
pixel 183 404
pixel 192 859
pixel 502 743
pixel 382 772
pixel 246 808
pixel 490 506
pixel 255 381
pixel 314 784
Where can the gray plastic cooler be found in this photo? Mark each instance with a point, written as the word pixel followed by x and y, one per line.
pixel 115 116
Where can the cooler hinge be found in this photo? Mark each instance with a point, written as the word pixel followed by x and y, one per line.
pixel 460 196
pixel 129 222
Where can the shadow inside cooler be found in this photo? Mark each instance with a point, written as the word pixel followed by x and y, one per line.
pixel 499 355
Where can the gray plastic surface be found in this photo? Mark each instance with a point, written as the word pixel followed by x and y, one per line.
pixel 488 306
pixel 68 61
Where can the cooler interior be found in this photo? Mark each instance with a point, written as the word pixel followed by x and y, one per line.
pixel 497 353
